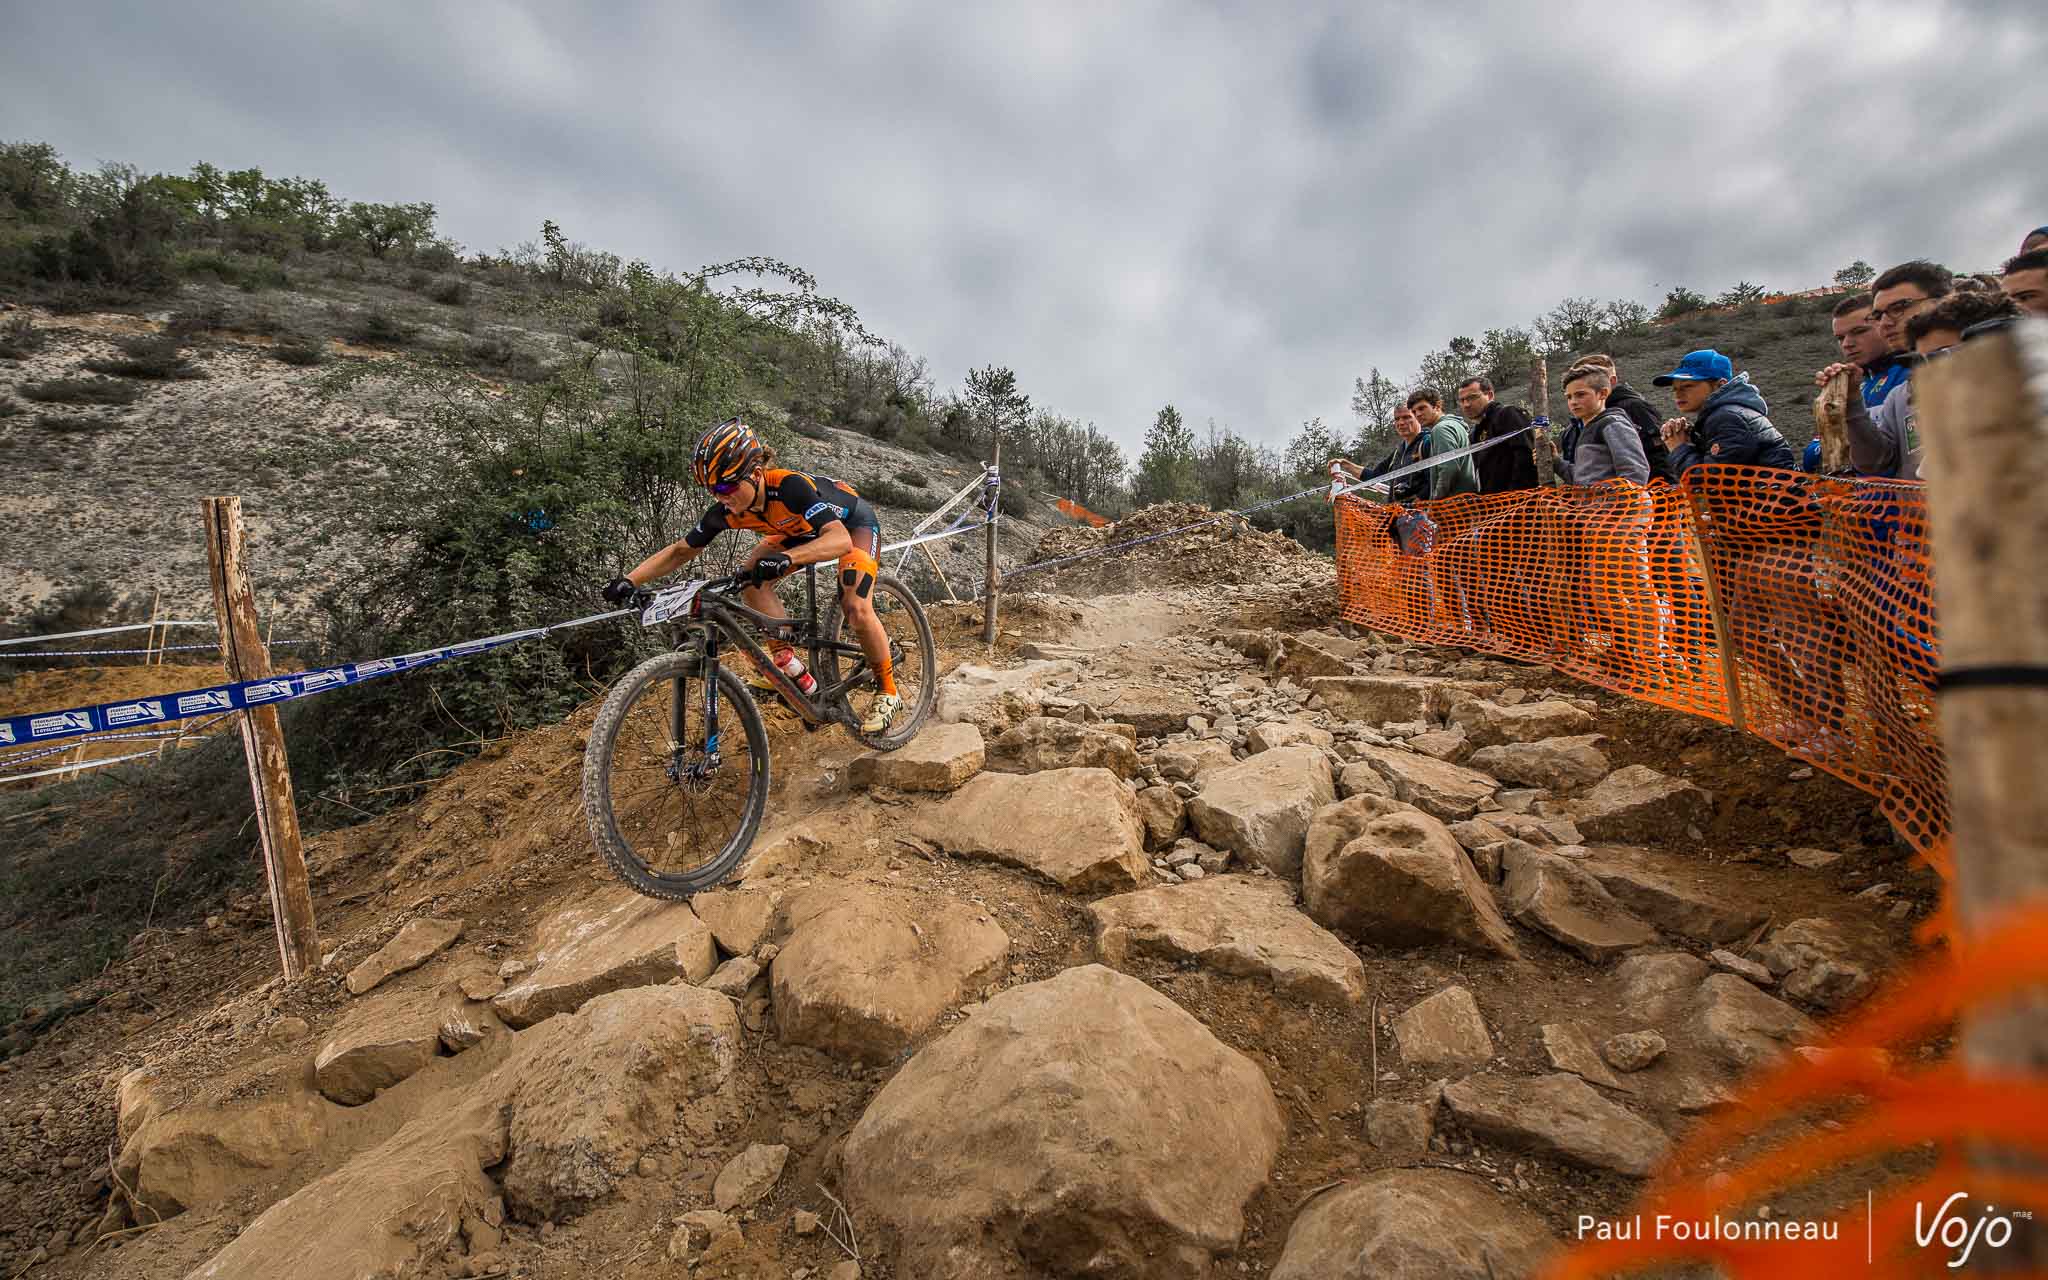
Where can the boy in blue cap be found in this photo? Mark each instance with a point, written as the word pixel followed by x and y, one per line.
pixel 1731 422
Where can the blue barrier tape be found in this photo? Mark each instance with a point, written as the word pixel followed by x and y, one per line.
pixel 162 648
pixel 162 708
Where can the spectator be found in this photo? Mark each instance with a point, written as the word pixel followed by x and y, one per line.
pixel 1505 467
pixel 2026 280
pixel 1731 420
pixel 1904 292
pixel 2036 239
pixel 1639 411
pixel 1601 444
pixel 1413 447
pixel 1955 318
pixel 1865 355
pixel 1447 433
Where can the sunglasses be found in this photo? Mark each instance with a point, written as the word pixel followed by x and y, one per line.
pixel 730 487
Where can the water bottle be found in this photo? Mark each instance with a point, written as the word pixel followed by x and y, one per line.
pixel 793 667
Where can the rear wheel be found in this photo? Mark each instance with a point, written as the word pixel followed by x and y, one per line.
pixel 672 813
pixel 912 655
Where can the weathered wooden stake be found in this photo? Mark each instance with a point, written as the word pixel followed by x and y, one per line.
pixel 1831 421
pixel 1731 674
pixel 1984 426
pixel 270 777
pixel 1539 406
pixel 149 654
pixel 989 584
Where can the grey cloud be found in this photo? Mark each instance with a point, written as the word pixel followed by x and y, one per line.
pixel 1239 209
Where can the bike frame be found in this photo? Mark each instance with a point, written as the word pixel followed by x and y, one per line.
pixel 720 616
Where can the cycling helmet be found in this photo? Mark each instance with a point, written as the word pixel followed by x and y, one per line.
pixel 727 452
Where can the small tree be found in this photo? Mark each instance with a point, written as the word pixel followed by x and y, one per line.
pixel 1373 401
pixel 1570 325
pixel 993 398
pixel 1166 469
pixel 1680 301
pixel 1505 356
pixel 1856 275
pixel 1625 317
pixel 1741 293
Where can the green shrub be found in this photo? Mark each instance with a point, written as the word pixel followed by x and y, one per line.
pixel 149 356
pixel 1015 501
pixel 417 280
pixel 19 338
pixel 301 350
pixel 199 317
pixel 375 328
pixel 809 428
pixel 82 391
pixel 890 494
pixel 438 256
pixel 910 478
pixel 449 291
pixel 247 272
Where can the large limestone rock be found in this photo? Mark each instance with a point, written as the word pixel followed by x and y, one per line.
pixel 742 917
pixel 392 1211
pixel 1654 986
pixel 1489 725
pixel 1554 895
pixel 1041 742
pixel 1555 764
pixel 1437 787
pixel 377 1045
pixel 939 758
pixel 1081 1125
pixel 614 939
pixel 1670 906
pixel 1390 874
pixel 1639 805
pixel 415 943
pixel 1305 657
pixel 1415 1224
pixel 1234 924
pixel 1259 808
pixel 1391 699
pixel 1570 1048
pixel 864 972
pixel 1287 733
pixel 1557 1115
pixel 1076 827
pixel 993 699
pixel 1815 963
pixel 1445 1029
pixel 1154 708
pixel 1191 761
pixel 185 1157
pixel 1742 1026
pixel 589 1092
pixel 1164 815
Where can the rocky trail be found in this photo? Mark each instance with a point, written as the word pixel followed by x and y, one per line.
pixel 1202 937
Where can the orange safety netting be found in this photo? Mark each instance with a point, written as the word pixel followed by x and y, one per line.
pixel 1826 618
pixel 1075 511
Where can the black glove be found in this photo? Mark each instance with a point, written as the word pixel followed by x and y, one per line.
pixel 619 590
pixel 769 567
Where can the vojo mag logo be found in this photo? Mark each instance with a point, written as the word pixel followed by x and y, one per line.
pixel 1954 1228
pixel 62 722
pixel 145 711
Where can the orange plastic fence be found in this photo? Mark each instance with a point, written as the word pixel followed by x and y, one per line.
pixel 1075 511
pixel 1826 618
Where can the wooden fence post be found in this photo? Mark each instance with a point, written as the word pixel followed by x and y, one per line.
pixel 1539 405
pixel 989 584
pixel 1717 610
pixel 270 778
pixel 1831 421
pixel 1983 424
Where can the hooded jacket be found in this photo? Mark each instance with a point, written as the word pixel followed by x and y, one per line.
pixel 1649 427
pixel 1882 376
pixel 1407 488
pixel 1505 467
pixel 1603 449
pixel 1448 435
pixel 1734 426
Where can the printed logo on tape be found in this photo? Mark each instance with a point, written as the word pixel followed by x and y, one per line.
pixel 135 712
pixel 376 667
pixel 61 723
pixel 267 691
pixel 194 704
pixel 314 681
pixel 6 734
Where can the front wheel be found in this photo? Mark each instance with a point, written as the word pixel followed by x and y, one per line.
pixel 912 655
pixel 671 807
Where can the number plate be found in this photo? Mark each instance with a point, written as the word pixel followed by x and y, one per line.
pixel 670 603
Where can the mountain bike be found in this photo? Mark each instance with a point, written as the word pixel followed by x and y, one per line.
pixel 672 795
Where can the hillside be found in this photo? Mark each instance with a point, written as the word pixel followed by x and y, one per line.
pixel 108 492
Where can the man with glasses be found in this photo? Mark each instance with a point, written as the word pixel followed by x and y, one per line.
pixel 1867 355
pixel 1904 292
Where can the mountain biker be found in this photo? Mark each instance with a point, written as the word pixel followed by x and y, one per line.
pixel 808 520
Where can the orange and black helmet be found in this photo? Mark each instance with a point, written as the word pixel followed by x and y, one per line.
pixel 726 454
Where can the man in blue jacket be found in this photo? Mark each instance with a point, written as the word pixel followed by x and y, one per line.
pixel 1731 423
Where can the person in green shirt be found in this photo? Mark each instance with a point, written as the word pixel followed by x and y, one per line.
pixel 1448 433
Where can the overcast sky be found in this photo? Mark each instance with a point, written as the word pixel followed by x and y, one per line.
pixel 1236 208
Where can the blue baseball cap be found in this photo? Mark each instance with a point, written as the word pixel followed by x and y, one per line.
pixel 1698 366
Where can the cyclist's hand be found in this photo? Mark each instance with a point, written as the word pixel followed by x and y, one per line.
pixel 619 590
pixel 768 568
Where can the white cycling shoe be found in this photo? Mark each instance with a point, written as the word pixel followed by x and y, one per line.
pixel 881 713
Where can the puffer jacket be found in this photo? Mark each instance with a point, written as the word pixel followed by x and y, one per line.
pixel 1734 426
pixel 1603 449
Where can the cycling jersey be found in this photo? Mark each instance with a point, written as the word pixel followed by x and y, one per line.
pixel 797 509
